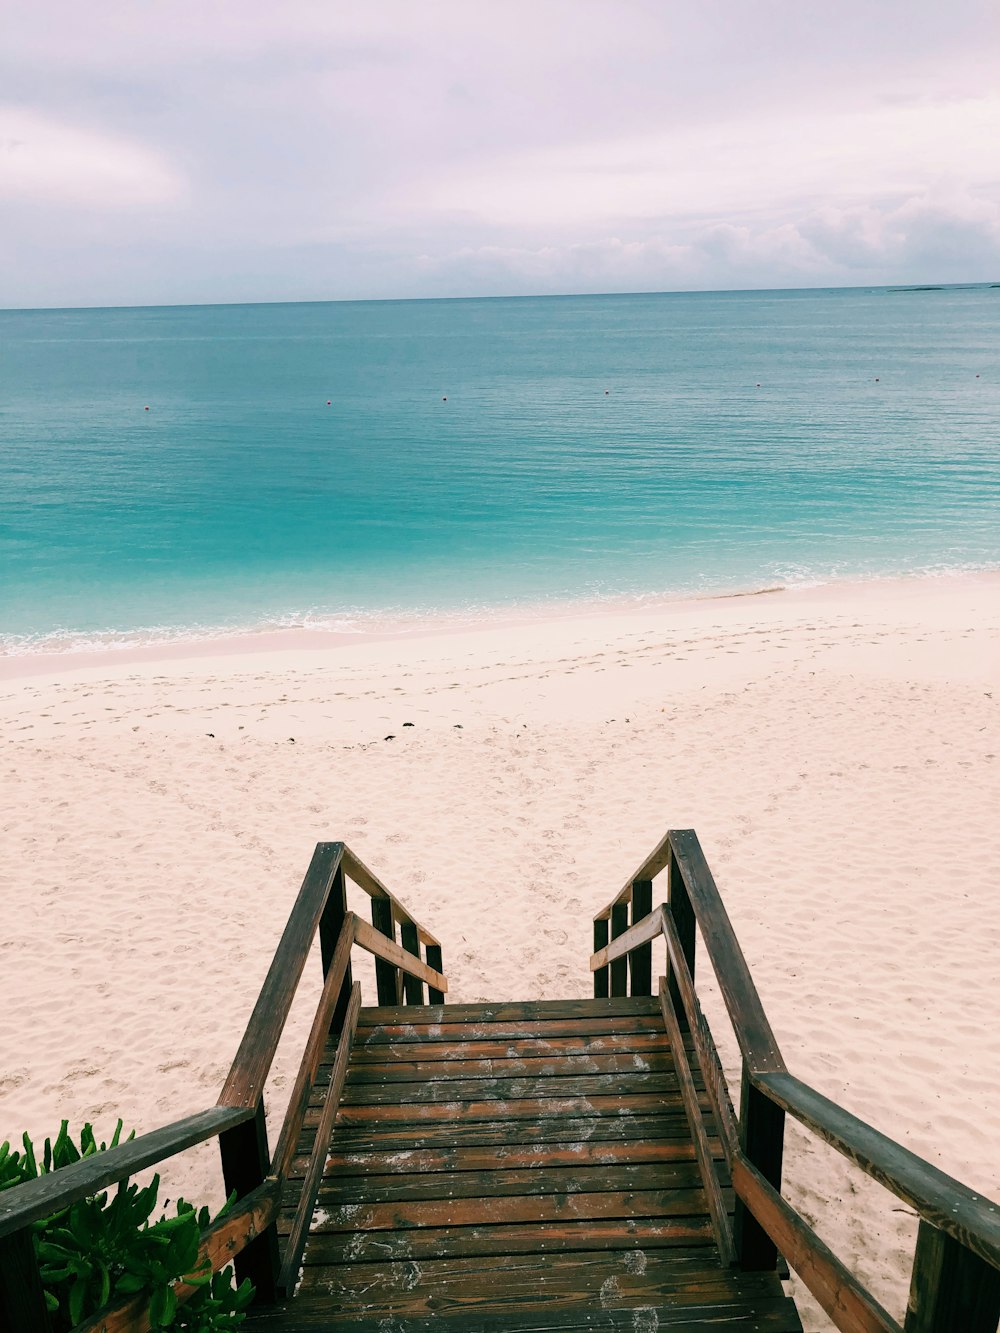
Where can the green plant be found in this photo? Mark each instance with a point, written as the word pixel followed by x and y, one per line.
pixel 102 1247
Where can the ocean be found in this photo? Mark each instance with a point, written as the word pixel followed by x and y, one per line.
pixel 186 471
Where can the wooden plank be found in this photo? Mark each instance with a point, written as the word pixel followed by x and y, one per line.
pixel 365 879
pixel 531 1238
pixel 488 1133
pixel 644 930
pixel 22 1299
pixel 413 987
pixel 507 1089
pixel 219 1242
pixel 762 1138
pixel 35 1199
pixel 699 1035
pixel 506 1156
pixel 946 1203
pixel 314 1173
pixel 619 967
pixel 245 1167
pixel 756 1040
pixel 572 1066
pixel 706 1165
pixel 506 1284
pixel 369 938
pixel 640 963
pixel 852 1309
pixel 680 913
pixel 406 1186
pixel 950 1288
pixel 245 1079
pixel 774 1314
pixel 557 1027
pixel 331 927
pixel 510 1011
pixel 314 1052
pixel 434 960
pixel 527 1108
pixel 506 1209
pixel 388 981
pixel 602 985
pixel 511 1049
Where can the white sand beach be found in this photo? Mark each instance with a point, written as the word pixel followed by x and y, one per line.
pixel 837 750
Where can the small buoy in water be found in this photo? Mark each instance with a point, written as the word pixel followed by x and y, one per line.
pixel 876 379
pixel 606 392
pixel 329 403
pixel 445 398
pixel 758 386
pixel 146 408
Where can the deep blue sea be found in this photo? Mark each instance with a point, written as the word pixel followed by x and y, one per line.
pixel 348 464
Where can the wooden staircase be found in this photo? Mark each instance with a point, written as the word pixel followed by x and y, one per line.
pixel 516 1166
pixel 528 1167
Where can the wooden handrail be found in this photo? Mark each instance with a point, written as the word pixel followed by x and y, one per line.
pixel 255 1055
pixel 375 942
pixel 945 1202
pixel 359 874
pixel 238 1118
pixel 951 1213
pixel 34 1199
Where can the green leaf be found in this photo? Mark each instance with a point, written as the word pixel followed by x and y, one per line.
pixel 77 1297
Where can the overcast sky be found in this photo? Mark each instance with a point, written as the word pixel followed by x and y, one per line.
pixel 235 150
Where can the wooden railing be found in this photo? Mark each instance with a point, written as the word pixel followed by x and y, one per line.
pixel 955 1283
pixel 248 1231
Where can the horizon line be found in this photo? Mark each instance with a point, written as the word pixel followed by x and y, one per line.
pixel 512 296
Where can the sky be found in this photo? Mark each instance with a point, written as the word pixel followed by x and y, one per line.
pixel 176 151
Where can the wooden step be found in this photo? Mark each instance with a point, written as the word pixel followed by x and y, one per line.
pixel 514 1168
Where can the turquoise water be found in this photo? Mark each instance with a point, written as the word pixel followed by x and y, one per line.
pixel 589 447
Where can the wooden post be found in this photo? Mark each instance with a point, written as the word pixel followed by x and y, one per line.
pixel 22 1300
pixel 641 961
pixel 330 924
pixel 413 987
pixel 619 966
pixel 387 978
pixel 245 1165
pixel 951 1288
pixel 684 919
pixel 435 960
pixel 762 1138
pixel 601 975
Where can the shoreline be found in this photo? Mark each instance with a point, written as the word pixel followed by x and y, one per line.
pixel 298 638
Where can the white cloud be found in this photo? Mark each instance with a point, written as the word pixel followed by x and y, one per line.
pixel 47 161
pixel 745 165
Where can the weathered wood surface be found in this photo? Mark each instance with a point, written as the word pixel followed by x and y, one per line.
pixel 44 1196
pixel 951 1288
pixel 559 1156
pixel 841 1295
pixel 312 1056
pixel 958 1211
pixel 774 1314
pixel 368 881
pixel 756 1039
pixel 306 1194
pixel 717 1209
pixel 376 943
